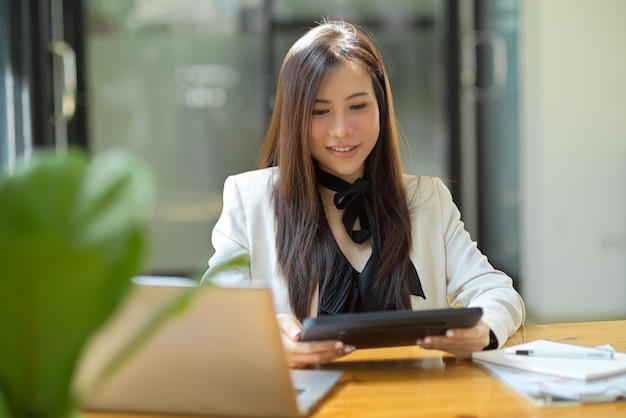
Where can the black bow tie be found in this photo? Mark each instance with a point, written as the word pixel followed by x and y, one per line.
pixel 354 199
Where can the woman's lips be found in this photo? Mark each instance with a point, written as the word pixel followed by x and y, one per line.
pixel 342 149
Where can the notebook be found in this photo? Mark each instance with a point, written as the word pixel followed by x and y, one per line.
pixel 574 368
pixel 221 356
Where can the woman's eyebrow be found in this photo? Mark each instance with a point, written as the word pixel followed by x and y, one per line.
pixel 352 96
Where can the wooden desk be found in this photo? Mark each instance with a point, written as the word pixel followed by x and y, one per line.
pixel 410 382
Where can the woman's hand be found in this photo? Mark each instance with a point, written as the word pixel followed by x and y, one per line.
pixel 300 354
pixel 460 342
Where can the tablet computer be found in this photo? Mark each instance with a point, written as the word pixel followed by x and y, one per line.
pixel 387 328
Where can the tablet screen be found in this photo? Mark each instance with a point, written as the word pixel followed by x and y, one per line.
pixel 388 328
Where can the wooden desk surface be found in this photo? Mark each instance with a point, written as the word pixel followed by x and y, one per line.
pixel 411 382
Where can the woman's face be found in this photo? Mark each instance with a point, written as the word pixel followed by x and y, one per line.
pixel 345 123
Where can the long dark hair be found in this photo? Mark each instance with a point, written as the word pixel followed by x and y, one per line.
pixel 306 249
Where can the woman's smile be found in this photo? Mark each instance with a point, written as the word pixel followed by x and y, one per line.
pixel 344 151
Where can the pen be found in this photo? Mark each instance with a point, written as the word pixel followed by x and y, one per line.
pixel 595 354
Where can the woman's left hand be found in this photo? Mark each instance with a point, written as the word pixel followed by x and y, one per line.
pixel 460 342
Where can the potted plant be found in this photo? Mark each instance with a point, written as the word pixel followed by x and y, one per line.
pixel 72 234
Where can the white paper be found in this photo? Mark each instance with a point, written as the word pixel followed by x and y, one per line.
pixel 583 369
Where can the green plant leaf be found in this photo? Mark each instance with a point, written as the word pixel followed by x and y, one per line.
pixel 4 408
pixel 71 237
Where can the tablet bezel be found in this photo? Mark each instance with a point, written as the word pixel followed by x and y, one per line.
pixel 387 328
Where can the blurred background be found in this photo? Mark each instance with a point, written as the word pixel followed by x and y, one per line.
pixel 518 105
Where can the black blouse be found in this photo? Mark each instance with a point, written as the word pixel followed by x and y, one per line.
pixel 348 290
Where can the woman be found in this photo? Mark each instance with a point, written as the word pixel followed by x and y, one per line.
pixel 330 223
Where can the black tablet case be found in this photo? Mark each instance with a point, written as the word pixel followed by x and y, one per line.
pixel 388 328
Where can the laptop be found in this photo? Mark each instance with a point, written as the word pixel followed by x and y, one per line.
pixel 222 355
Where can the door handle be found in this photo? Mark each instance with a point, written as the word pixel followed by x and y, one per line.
pixel 469 68
pixel 68 91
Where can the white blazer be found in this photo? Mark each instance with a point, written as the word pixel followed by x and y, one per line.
pixel 452 271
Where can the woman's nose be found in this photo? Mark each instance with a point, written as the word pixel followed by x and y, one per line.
pixel 340 126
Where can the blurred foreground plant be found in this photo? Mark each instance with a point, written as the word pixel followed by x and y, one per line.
pixel 72 234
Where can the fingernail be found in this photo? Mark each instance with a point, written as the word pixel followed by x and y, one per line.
pixel 427 340
pixel 449 333
pixel 420 343
pixel 338 344
pixel 349 349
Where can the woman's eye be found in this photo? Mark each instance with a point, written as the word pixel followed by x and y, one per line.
pixel 319 111
pixel 359 106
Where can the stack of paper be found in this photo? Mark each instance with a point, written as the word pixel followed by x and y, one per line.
pixel 550 380
pixel 576 368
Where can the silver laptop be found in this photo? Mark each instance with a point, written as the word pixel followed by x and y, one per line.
pixel 221 356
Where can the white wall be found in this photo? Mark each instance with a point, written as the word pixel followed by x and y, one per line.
pixel 573 158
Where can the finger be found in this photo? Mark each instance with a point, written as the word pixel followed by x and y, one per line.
pixel 316 352
pixel 459 336
pixel 452 341
pixel 320 347
pixel 290 327
pixel 477 331
pixel 462 351
pixel 464 341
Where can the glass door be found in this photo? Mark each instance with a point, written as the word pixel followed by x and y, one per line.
pixel 181 84
pixel 489 99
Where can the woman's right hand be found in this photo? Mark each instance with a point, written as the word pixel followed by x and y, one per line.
pixel 301 354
